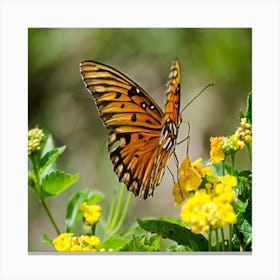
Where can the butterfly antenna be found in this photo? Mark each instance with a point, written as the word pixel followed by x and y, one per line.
pixel 209 85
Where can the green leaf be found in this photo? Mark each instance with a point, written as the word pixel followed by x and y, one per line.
pixel 47 240
pixel 72 212
pixel 56 182
pixel 47 146
pixel 175 232
pixel 244 187
pixel 248 114
pixel 49 158
pixel 116 243
pixel 239 206
pixel 242 233
pixel 143 243
pixel 179 248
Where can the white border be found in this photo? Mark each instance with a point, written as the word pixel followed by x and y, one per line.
pixel 17 16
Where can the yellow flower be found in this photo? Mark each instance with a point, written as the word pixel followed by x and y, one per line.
pixel 211 207
pixel 91 213
pixel 191 175
pixel 216 152
pixel 178 194
pixel 36 137
pixel 67 242
pixel 63 242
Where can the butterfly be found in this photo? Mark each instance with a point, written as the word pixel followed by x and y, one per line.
pixel 141 136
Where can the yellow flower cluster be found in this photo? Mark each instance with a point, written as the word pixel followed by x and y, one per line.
pixel 67 242
pixel 216 153
pixel 209 198
pixel 244 132
pixel 91 213
pixel 222 146
pixel 35 139
pixel 190 178
pixel 210 207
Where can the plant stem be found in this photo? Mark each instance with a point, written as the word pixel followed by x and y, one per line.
pixel 223 239
pixel 249 152
pixel 35 167
pixel 223 167
pixel 118 208
pixel 217 240
pixel 124 212
pixel 209 241
pixel 115 211
pixel 50 217
pixel 111 212
pixel 230 237
pixel 232 155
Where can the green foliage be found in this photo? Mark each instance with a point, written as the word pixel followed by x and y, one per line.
pixel 173 230
pixel 56 182
pixel 143 243
pixel 47 240
pixel 117 243
pixel 145 235
pixel 49 158
pixel 45 178
pixel 248 113
pixel 72 212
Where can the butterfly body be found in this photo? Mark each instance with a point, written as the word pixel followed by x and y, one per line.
pixel 141 136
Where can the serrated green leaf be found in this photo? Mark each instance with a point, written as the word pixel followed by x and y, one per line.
pixel 179 248
pixel 49 158
pixel 175 232
pixel 72 212
pixel 143 243
pixel 56 182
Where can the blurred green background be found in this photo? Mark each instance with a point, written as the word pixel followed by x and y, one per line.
pixel 59 103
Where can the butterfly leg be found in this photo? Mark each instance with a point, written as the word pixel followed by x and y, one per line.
pixel 177 167
pixel 174 182
pixel 188 138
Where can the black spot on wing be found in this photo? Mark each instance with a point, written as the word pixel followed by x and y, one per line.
pixel 133 91
pixel 118 95
pixel 133 118
pixel 143 105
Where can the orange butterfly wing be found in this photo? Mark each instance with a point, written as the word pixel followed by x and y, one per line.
pixel 139 141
